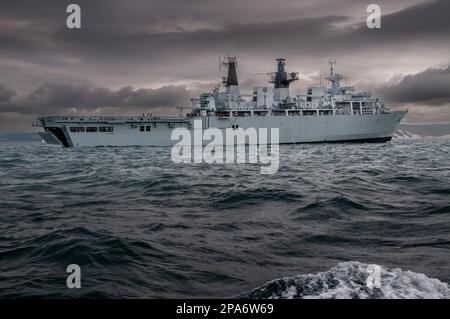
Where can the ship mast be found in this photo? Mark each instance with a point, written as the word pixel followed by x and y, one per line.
pixel 281 80
pixel 334 78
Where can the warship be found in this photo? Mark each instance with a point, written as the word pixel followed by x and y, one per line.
pixel 326 113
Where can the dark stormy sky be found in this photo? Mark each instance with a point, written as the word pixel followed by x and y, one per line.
pixel 148 56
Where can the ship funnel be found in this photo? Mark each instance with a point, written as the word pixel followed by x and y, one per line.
pixel 230 81
pixel 231 63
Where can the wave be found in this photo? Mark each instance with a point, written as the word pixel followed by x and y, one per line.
pixel 348 280
pixel 249 197
pixel 80 244
pixel 141 226
pixel 400 134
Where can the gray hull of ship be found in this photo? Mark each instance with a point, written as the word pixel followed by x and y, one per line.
pixel 292 129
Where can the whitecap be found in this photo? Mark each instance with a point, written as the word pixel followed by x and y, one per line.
pixel 349 280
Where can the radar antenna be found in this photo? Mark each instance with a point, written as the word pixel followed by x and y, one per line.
pixel 280 78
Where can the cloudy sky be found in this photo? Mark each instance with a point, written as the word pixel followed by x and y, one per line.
pixel 149 56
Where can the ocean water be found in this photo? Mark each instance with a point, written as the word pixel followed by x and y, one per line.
pixel 140 226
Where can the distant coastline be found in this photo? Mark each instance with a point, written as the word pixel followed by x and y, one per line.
pixel 20 137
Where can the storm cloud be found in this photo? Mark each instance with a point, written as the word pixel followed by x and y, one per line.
pixel 104 41
pixel 58 98
pixel 431 86
pixel 6 94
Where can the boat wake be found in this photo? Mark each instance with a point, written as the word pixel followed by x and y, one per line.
pixel 349 281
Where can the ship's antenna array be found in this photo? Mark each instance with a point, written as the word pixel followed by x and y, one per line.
pixel 281 78
pixel 332 63
pixel 334 78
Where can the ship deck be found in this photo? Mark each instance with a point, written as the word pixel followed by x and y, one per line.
pixel 49 120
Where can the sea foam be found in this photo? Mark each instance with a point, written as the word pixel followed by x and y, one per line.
pixel 348 280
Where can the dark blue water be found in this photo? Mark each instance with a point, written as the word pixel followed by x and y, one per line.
pixel 141 226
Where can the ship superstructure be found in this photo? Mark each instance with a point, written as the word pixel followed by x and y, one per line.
pixel 331 113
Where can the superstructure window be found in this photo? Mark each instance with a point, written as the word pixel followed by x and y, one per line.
pixel 106 129
pixel 91 129
pixel 77 129
pixel 148 128
pixel 142 128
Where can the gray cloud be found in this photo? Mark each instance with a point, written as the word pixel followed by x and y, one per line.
pixel 109 35
pixel 431 87
pixel 106 52
pixel 6 94
pixel 60 98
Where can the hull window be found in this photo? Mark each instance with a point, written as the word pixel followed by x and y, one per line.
pixel 77 129
pixel 106 129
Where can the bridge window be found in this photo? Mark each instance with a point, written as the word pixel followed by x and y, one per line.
pixel 91 129
pixel 148 128
pixel 142 128
pixel 77 129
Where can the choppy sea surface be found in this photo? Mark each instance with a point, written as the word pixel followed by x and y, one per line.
pixel 140 225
